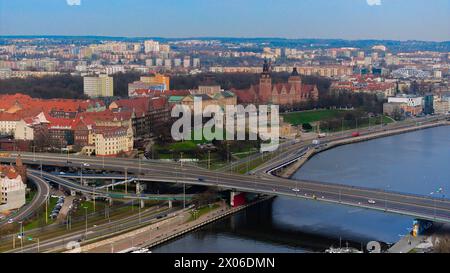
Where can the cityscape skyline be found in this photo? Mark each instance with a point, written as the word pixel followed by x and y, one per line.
pixel 339 19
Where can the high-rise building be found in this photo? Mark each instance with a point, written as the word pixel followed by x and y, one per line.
pixel 151 46
pixel 148 62
pixel 101 86
pixel 196 62
pixel 168 63
pixel 177 62
pixel 164 48
pixel 186 62
pixel 157 79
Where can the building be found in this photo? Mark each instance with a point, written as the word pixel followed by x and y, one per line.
pixel 155 82
pixel 406 105
pixel 428 107
pixel 151 46
pixel 8 123
pixel 112 141
pixel 12 189
pixel 294 91
pixel 157 79
pixel 101 86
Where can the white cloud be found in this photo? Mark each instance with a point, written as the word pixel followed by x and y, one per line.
pixel 374 2
pixel 73 2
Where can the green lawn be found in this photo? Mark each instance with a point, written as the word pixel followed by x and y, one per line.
pixel 40 220
pixel 183 146
pixel 298 118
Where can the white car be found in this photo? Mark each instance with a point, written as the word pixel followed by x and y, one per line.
pixel 86 164
pixel 10 221
pixel 371 201
pixel 296 189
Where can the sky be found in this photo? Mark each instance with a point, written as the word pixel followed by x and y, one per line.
pixel 427 20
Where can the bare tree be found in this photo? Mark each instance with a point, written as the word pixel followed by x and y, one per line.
pixel 442 245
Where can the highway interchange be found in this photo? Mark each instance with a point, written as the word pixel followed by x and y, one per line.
pixel 260 181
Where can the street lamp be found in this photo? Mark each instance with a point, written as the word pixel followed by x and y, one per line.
pixel 21 236
pixel 86 222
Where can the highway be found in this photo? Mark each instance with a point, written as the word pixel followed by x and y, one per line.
pixel 60 243
pixel 103 193
pixel 42 193
pixel 413 205
pixel 417 206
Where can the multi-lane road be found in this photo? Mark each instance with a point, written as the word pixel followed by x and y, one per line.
pixel 42 193
pixel 423 207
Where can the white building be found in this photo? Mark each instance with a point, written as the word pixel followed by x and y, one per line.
pixel 8 123
pixel 186 62
pixel 408 100
pixel 12 189
pixel 151 46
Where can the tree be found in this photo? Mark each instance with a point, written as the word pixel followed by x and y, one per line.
pixel 442 245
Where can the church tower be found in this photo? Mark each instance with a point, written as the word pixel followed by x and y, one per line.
pixel 295 80
pixel 265 84
pixel 21 169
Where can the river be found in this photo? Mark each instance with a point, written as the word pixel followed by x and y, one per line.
pixel 416 162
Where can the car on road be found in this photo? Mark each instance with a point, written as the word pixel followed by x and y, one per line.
pixel 371 201
pixel 201 179
pixel 86 164
pixel 62 173
pixel 296 189
pixel 10 221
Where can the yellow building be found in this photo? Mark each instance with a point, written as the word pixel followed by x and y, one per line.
pixel 157 79
pixel 102 86
pixel 111 141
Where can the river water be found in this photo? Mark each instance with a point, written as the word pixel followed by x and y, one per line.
pixel 416 162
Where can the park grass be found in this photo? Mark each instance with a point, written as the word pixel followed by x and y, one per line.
pixel 184 146
pixel 298 118
pixel 40 220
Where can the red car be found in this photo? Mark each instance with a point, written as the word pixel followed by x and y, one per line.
pixel 355 134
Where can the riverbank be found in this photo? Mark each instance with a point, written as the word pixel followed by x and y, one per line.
pixel 176 224
pixel 296 165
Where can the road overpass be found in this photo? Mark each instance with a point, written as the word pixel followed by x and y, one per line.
pixel 103 193
pixel 42 193
pixel 416 206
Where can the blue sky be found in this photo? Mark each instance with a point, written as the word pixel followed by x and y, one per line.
pixel 348 19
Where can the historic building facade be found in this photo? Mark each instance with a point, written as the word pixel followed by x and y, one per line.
pixel 294 91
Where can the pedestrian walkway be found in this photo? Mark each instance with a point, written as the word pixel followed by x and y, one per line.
pixel 406 244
